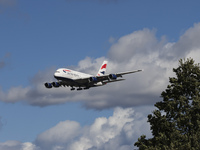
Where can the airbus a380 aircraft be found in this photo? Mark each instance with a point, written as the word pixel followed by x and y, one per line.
pixel 67 77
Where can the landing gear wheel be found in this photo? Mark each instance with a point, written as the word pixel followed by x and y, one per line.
pixel 79 89
pixel 72 89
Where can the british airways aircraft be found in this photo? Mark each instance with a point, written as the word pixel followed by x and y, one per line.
pixel 67 77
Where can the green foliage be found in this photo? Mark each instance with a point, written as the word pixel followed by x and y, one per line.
pixel 175 124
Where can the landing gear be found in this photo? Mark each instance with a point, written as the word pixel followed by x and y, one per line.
pixel 79 89
pixel 72 89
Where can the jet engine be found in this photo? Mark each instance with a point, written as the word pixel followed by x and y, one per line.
pixel 112 76
pixel 56 84
pixel 48 85
pixel 93 79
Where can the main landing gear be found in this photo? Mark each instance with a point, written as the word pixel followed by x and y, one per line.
pixel 72 89
pixel 79 89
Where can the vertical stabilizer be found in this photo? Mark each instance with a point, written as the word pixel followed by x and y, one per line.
pixel 102 69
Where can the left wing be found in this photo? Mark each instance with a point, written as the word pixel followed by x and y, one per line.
pixel 116 75
pixel 106 78
pixel 128 72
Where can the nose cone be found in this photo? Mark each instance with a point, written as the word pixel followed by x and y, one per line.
pixel 56 74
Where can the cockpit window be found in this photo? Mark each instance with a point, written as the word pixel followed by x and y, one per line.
pixel 57 71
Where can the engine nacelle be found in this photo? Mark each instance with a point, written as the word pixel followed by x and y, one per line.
pixel 112 76
pixel 48 85
pixel 56 84
pixel 93 79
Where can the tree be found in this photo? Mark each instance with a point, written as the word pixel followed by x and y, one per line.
pixel 175 124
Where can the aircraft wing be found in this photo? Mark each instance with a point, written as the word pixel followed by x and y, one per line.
pixel 117 74
pixel 105 78
pixel 128 72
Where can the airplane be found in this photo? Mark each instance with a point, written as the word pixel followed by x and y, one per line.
pixel 68 77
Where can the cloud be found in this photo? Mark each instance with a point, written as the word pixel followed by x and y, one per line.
pixel 138 50
pixel 108 133
pixel 16 145
pixel 10 145
pixel 61 134
pixel 118 131
pixel 139 43
pixel 187 43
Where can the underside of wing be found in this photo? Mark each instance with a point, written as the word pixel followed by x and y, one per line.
pixel 109 81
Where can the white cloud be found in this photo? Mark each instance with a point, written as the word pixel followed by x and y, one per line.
pixel 119 131
pixel 130 46
pixel 16 145
pixel 14 94
pixel 29 146
pixel 138 50
pixel 10 145
pixel 59 135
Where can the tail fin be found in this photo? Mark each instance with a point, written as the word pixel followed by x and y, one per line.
pixel 102 70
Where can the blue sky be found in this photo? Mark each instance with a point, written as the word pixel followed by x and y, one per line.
pixel 37 37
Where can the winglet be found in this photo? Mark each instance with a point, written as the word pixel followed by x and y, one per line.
pixel 102 69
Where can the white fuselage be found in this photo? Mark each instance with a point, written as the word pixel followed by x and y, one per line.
pixel 70 74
